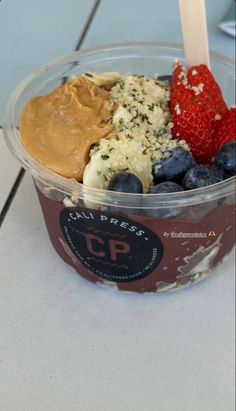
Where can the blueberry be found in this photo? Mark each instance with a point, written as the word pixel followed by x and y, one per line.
pixel 174 167
pixel 225 159
pixel 166 78
pixel 165 187
pixel 202 176
pixel 125 183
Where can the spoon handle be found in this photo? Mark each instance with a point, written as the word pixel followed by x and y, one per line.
pixel 194 30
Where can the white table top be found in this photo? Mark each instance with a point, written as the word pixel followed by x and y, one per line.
pixel 66 344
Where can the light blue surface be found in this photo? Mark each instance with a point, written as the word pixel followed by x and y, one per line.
pixel 153 20
pixel 33 32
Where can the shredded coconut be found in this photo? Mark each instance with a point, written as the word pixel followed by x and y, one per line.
pixel 181 75
pixel 177 109
pixel 198 89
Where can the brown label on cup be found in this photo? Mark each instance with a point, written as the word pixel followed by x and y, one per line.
pixel 111 246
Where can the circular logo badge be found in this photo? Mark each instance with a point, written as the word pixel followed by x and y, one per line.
pixel 111 246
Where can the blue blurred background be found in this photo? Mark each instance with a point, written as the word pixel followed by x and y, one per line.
pixel 33 32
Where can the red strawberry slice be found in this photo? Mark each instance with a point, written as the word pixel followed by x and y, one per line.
pixel 193 126
pixel 178 90
pixel 196 106
pixel 200 78
pixel 199 85
pixel 225 130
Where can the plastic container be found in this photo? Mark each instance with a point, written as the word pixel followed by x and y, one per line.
pixel 142 242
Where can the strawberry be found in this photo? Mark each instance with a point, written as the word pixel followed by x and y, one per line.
pixel 196 104
pixel 178 90
pixel 211 98
pixel 225 130
pixel 193 126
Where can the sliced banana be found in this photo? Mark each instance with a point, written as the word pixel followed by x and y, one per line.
pixel 106 79
pixel 115 156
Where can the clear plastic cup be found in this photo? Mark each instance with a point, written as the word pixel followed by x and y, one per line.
pixel 131 242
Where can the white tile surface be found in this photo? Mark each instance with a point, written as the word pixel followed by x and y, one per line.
pixel 9 169
pixel 66 344
pixel 34 32
pixel 152 20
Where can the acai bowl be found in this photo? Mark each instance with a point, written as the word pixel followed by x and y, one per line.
pixel 141 241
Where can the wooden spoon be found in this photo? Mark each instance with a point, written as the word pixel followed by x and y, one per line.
pixel 194 30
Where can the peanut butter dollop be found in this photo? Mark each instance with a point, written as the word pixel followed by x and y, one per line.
pixel 58 129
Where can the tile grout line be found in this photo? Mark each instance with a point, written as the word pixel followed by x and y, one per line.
pixel 21 173
pixel 11 195
pixel 87 25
